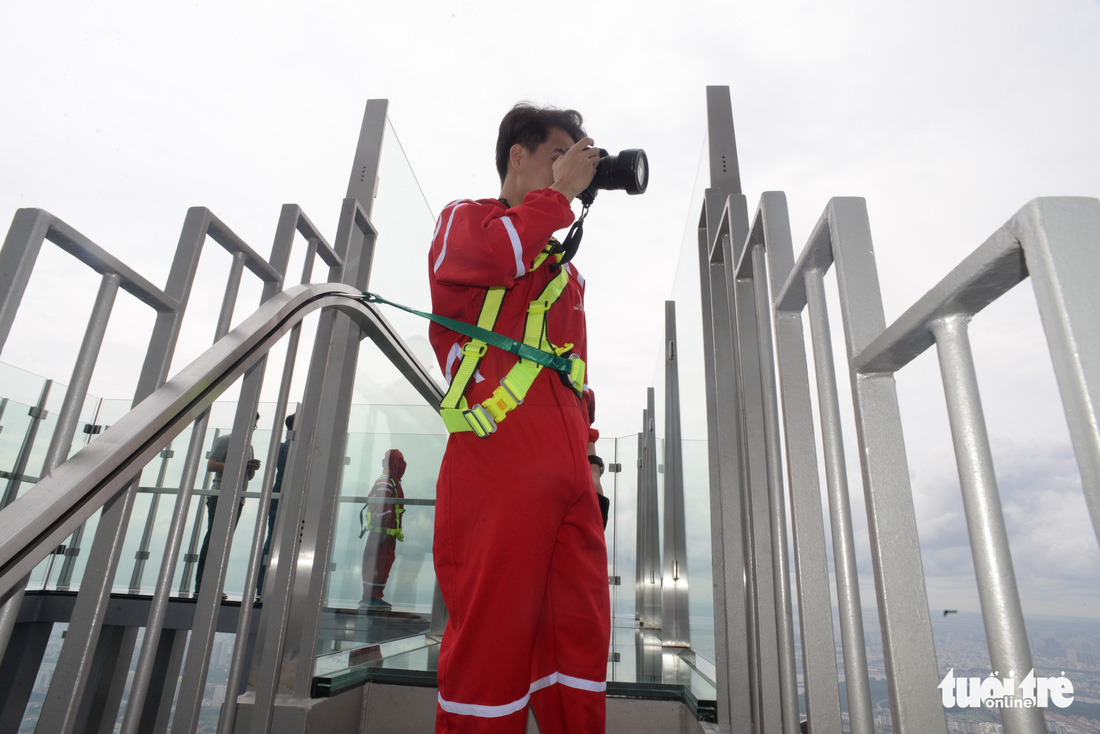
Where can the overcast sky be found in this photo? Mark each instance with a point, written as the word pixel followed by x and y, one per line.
pixel 947 116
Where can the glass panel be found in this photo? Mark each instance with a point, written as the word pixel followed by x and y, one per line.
pixel 700 576
pixel 624 526
pixel 379 599
pixel 405 224
pixel 14 424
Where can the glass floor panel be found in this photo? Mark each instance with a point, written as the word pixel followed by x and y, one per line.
pixel 357 647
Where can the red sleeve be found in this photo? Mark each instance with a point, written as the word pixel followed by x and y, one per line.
pixel 589 397
pixel 483 244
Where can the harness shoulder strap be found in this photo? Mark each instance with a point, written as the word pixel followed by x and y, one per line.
pixel 473 350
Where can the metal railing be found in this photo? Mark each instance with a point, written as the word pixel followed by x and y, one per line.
pixel 754 288
pixel 103 477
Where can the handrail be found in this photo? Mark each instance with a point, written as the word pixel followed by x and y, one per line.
pixel 34 524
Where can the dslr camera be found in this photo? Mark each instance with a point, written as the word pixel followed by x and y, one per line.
pixel 628 171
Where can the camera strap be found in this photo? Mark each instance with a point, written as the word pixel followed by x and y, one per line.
pixel 573 240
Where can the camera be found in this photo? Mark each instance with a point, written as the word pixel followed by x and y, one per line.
pixel 629 171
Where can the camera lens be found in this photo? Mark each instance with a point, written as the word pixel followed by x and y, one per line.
pixel 628 171
pixel 641 173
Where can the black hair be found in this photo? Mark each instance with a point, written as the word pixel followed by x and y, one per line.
pixel 530 126
pixel 290 421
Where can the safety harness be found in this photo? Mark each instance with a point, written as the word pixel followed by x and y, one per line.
pixel 534 352
pixel 367 523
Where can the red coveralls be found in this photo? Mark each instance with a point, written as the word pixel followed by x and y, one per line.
pixel 380 547
pixel 519 543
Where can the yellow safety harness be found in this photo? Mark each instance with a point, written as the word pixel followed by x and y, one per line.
pixel 367 523
pixel 534 352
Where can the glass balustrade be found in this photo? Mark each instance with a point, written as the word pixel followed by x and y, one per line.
pixel 359 641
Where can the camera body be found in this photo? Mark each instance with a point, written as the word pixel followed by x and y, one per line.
pixel 627 171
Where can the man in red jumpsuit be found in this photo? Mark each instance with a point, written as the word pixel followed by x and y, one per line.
pixel 519 544
pixel 382 526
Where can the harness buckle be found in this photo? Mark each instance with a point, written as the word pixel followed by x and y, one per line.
pixel 576 373
pixel 539 306
pixel 475 348
pixel 502 401
pixel 481 423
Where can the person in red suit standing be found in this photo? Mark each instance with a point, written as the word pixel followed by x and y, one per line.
pixel 519 545
pixel 381 522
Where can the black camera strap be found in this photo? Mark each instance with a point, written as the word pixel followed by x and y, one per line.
pixel 573 240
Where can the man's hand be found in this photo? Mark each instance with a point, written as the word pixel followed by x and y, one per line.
pixel 574 170
pixel 597 471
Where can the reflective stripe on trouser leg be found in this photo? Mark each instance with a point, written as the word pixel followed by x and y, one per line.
pixel 507 543
pixel 379 553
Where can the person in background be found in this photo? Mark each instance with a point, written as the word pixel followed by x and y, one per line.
pixel 273 508
pixel 381 523
pixel 215 463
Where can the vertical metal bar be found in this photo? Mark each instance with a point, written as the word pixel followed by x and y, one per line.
pixel 72 552
pixel 648 526
pixel 9 612
pixel 639 531
pixel 819 667
pixel 731 217
pixel 37 413
pixel 142 553
pixel 614 532
pixel 69 416
pixel 329 367
pixel 908 648
pixel 19 668
pixel 273 649
pixel 724 667
pixel 725 174
pixel 762 582
pixel 363 182
pixel 320 517
pixel 232 482
pixel 99 709
pixel 675 631
pixel 856 682
pixel 324 486
pixel 291 615
pixel 280 258
pixel 137 709
pixel 788 676
pixel 1059 237
pixel 814 600
pixel 191 557
pixel 232 486
pixel 17 258
pixel 1005 630
pixel 159 693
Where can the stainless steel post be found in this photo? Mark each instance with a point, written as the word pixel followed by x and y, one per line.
pixel 856 682
pixel 675 630
pixel 1005 631
pixel 788 676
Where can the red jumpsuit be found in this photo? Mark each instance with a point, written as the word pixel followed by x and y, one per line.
pixel 519 543
pixel 380 548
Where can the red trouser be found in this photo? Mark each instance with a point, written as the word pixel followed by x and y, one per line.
pixel 379 552
pixel 522 565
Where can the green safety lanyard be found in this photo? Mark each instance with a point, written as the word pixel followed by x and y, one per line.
pixel 546 359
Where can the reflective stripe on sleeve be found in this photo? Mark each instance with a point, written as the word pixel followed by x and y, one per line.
pixel 516 247
pixel 453 356
pixel 493 712
pixel 443 252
